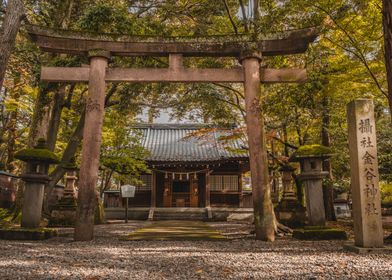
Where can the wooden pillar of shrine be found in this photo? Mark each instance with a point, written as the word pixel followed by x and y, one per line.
pixel 84 229
pixel 261 193
pixel 154 190
pixel 208 190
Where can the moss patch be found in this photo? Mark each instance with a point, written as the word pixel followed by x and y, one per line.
pixel 176 230
pixel 311 151
pixel 320 233
pixel 37 154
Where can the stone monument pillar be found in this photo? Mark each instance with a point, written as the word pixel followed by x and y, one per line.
pixel 311 158
pixel 364 174
pixel 36 176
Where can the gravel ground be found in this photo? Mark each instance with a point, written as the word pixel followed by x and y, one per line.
pixel 107 257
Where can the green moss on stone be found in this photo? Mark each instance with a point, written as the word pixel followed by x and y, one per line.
pixel 71 165
pixel 38 153
pixel 311 151
pixel 319 233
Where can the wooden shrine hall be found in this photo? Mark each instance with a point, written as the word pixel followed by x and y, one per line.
pixel 188 171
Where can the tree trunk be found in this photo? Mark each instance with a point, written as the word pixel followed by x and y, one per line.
pixel 55 117
pixel 39 124
pixel 12 129
pixel 68 154
pixel 11 24
pixel 261 191
pixel 328 194
pixel 387 27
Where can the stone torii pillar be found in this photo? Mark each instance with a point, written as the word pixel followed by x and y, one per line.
pixel 261 193
pixel 84 229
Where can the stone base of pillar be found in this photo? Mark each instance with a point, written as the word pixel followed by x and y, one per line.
pixel 62 218
pixel 362 250
pixel 64 213
pixel 291 213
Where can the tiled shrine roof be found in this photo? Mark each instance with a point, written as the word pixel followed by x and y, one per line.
pixel 173 143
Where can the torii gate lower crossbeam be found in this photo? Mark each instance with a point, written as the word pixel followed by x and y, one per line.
pixel 250 54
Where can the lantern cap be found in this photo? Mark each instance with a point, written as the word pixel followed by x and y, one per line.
pixel 39 153
pixel 311 151
pixel 70 165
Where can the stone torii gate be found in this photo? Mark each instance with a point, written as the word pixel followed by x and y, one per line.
pixel 100 48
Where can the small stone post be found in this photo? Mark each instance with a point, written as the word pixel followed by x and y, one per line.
pixel 36 176
pixel 364 174
pixel 311 159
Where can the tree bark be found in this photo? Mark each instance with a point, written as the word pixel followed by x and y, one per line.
pixel 261 191
pixel 11 24
pixel 11 131
pixel 328 194
pixel 39 124
pixel 387 27
pixel 55 117
pixel 68 154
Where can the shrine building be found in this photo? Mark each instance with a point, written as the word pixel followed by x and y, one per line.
pixel 187 172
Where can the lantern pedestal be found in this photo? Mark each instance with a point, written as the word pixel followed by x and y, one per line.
pixel 34 196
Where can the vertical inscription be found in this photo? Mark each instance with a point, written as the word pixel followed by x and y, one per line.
pixel 364 174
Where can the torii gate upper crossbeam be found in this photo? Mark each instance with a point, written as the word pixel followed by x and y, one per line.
pixel 61 41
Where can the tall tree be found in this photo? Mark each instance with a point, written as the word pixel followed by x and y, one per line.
pixel 13 18
pixel 387 27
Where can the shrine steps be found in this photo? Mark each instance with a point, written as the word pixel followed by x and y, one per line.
pixel 175 213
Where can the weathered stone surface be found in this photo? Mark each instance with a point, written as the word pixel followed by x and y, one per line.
pixel 63 218
pixel 312 175
pixel 364 174
pixel 84 229
pixel 32 205
pixel 64 41
pixel 241 217
pixel 319 233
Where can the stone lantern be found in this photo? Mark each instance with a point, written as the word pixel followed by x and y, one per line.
pixel 64 213
pixel 311 159
pixel 289 211
pixel 70 179
pixel 36 176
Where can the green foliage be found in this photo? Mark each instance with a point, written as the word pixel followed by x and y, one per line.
pixel 384 138
pixel 122 153
pixel 386 193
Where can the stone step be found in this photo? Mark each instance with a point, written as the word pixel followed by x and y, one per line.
pixel 180 215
